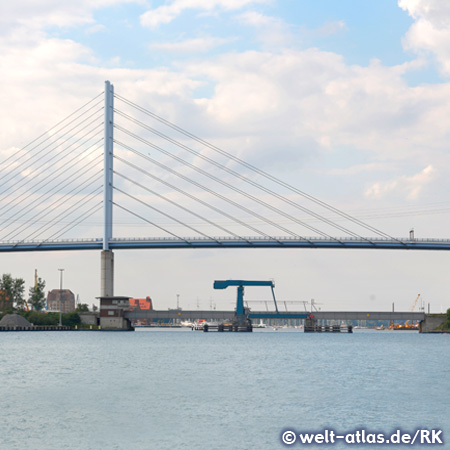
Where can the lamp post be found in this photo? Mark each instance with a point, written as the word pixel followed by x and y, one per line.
pixel 60 293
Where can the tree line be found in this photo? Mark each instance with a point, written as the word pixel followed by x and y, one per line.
pixel 12 294
pixel 13 300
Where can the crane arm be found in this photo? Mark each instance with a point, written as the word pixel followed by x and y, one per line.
pixel 415 303
pixel 223 284
pixel 412 309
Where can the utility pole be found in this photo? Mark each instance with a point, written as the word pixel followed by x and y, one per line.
pixel 60 294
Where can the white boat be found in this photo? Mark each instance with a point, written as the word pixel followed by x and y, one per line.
pixel 200 324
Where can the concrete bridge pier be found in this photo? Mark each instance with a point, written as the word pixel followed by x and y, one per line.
pixel 432 322
pixel 107 274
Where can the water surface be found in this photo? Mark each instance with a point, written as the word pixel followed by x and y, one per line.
pixel 178 389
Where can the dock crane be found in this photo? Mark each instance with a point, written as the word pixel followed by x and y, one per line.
pixel 412 309
pixel 241 316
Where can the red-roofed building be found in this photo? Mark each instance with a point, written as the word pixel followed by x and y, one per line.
pixel 141 304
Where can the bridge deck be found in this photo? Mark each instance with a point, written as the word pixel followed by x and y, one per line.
pixel 223 242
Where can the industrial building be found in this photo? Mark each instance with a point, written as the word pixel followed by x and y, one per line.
pixel 67 298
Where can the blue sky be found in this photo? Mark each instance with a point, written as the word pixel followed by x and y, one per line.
pixel 358 31
pixel 344 99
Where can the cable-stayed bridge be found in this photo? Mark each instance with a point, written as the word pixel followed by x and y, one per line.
pixel 116 175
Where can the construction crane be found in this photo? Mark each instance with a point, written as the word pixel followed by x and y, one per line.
pixel 407 325
pixel 412 309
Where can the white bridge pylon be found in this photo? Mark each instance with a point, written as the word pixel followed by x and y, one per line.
pixel 107 255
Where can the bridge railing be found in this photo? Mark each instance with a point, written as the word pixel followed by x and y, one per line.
pixel 276 238
pixel 46 241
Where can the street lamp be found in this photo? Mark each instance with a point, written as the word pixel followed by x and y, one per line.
pixel 60 293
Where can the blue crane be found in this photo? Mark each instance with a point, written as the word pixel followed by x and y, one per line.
pixel 241 315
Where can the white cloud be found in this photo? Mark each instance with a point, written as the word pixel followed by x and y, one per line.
pixel 315 93
pixel 404 187
pixel 430 31
pixel 98 28
pixel 360 169
pixel 166 13
pixel 271 31
pixel 435 11
pixel 37 15
pixel 195 45
pixel 161 15
pixel 330 28
pixel 256 19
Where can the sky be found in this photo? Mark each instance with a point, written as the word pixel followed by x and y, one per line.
pixel 345 100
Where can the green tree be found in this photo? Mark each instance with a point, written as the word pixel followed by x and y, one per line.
pixel 11 293
pixel 40 318
pixel 36 296
pixel 71 319
pixel 5 292
pixel 82 307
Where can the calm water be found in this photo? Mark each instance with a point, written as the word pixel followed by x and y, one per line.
pixel 176 389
